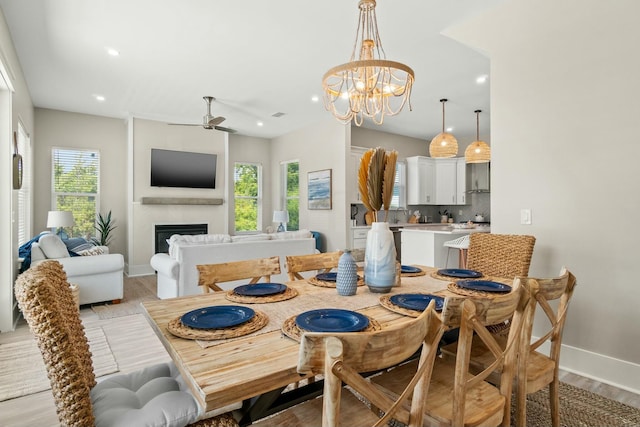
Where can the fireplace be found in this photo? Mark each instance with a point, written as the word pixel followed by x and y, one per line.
pixel 165 231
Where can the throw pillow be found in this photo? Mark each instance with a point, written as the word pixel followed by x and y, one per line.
pixel 78 244
pixel 52 247
pixel 96 250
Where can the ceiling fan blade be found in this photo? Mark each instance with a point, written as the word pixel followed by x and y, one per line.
pixel 216 120
pixel 224 129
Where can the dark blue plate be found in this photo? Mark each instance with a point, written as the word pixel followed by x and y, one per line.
pixel 332 320
pixel 459 273
pixel 409 269
pixel 483 285
pixel 260 289
pixel 217 317
pixel 416 301
pixel 327 277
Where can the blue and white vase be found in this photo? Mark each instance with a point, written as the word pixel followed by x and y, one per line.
pixel 347 280
pixel 380 258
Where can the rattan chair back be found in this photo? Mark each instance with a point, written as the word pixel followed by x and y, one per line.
pixel 210 275
pixel 323 263
pixel 47 304
pixel 500 255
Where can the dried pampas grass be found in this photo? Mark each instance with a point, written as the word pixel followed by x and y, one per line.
pixel 375 179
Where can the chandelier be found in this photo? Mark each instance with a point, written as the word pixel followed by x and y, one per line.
pixel 443 144
pixel 478 151
pixel 369 86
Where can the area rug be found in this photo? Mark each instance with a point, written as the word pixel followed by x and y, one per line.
pixel 22 370
pixel 580 408
pixel 134 294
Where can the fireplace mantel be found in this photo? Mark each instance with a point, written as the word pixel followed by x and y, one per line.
pixel 180 201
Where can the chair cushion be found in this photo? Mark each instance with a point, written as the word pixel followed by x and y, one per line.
pixel 53 247
pixel 154 396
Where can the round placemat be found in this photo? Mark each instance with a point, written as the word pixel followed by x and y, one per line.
pixel 290 329
pixel 435 275
pixel 419 273
pixel 257 322
pixel 472 293
pixel 282 296
pixel 385 301
pixel 323 284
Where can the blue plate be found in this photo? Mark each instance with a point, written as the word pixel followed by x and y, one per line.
pixel 260 289
pixel 327 277
pixel 409 269
pixel 483 285
pixel 332 320
pixel 217 317
pixel 416 301
pixel 459 273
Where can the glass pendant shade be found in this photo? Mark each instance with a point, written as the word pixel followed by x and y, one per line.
pixel 478 151
pixel 368 85
pixel 443 144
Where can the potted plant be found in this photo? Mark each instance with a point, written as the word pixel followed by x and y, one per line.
pixel 104 226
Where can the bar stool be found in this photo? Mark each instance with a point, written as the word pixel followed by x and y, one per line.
pixel 462 244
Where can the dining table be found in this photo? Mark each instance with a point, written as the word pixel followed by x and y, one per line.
pixel 257 367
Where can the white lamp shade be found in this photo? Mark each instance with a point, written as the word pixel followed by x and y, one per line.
pixel 60 219
pixel 280 216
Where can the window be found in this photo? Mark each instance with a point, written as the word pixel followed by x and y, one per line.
pixel 399 198
pixel 24 194
pixel 75 181
pixel 247 190
pixel 291 193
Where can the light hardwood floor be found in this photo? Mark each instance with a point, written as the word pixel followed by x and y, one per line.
pixel 135 345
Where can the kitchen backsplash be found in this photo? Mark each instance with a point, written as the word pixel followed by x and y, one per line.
pixel 480 204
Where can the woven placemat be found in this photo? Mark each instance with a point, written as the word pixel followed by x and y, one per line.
pixel 323 284
pixel 290 329
pixel 435 275
pixel 282 296
pixel 257 322
pixel 385 301
pixel 419 273
pixel 472 293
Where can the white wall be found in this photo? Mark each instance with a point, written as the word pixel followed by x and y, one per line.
pixel 564 125
pixel 324 145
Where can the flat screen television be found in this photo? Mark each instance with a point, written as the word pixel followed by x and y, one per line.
pixel 182 169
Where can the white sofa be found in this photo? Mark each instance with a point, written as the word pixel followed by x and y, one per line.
pixel 177 272
pixel 99 277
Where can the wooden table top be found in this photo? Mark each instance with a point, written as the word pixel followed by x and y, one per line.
pixel 237 369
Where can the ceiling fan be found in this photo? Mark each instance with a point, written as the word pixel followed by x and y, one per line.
pixel 209 121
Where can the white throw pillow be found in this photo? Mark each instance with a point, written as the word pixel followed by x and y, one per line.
pixel 250 237
pixel 299 234
pixel 53 247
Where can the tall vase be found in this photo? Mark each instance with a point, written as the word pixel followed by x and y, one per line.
pixel 380 258
pixel 347 280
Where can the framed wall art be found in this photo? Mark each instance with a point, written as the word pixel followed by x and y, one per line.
pixel 319 189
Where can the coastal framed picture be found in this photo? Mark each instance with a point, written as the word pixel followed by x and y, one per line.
pixel 319 189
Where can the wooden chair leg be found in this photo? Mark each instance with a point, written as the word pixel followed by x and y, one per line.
pixel 554 402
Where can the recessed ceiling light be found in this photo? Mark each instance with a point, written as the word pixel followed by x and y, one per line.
pixel 315 98
pixel 449 129
pixel 113 52
pixel 259 123
pixel 482 79
pixel 99 98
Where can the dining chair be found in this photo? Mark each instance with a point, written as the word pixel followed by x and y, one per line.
pixel 323 263
pixel 458 396
pixel 210 275
pixel 342 357
pixel 155 395
pixel 500 255
pixel 536 370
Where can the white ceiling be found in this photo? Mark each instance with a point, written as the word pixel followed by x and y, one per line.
pixel 256 57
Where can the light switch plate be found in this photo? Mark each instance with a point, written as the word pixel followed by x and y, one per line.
pixel 525 216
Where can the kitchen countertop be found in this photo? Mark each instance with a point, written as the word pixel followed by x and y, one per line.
pixel 432 227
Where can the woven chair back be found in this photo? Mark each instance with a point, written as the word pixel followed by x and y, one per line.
pixel 46 301
pixel 209 275
pixel 323 263
pixel 500 255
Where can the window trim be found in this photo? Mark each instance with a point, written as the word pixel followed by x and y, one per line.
pixel 258 198
pixel 284 165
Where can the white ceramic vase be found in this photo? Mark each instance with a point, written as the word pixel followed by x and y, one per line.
pixel 380 258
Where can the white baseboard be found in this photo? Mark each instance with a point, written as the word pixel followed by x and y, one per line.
pixel 139 270
pixel 599 367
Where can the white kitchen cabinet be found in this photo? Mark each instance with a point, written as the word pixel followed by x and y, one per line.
pixel 446 187
pixel 359 237
pixel 421 175
pixel 461 181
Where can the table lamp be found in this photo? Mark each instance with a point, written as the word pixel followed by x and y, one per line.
pixel 59 220
pixel 282 217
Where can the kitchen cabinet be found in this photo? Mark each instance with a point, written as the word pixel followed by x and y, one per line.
pixel 446 189
pixel 461 181
pixel 359 237
pixel 421 175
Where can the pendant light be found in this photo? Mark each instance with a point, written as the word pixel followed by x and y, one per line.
pixel 478 151
pixel 443 144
